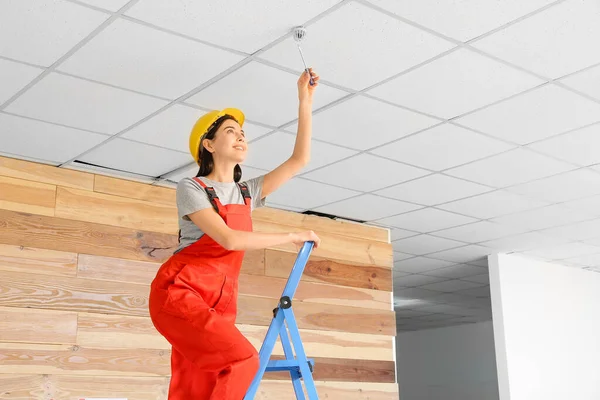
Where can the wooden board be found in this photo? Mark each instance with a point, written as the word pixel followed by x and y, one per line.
pixel 65 360
pixel 120 270
pixel 64 387
pixel 24 387
pixel 116 269
pixel 83 237
pixel 37 261
pixel 258 311
pixel 161 195
pixel 337 247
pixel 72 294
pixel 83 205
pixel 37 326
pixel 349 370
pixel 110 331
pixel 143 272
pixel 263 286
pixel 134 190
pixel 319 269
pixel 118 331
pixel 27 196
pixel 321 224
pixel 48 174
pixel 83 295
pixel 278 390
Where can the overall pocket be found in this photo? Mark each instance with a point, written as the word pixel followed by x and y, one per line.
pixel 198 287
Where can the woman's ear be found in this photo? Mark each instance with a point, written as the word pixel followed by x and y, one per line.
pixel 207 144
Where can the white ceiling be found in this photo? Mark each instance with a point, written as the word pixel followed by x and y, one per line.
pixel 470 127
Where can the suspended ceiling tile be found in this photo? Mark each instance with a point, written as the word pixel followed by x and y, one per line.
pixel 40 140
pixel 591 260
pixel 482 291
pixel 535 115
pixel 433 189
pixel 42 31
pixel 265 94
pixel 178 174
pixel 522 242
pixel 171 128
pixel 427 220
pixel 366 207
pixel 564 251
pixel 416 280
pixel 587 81
pixel 244 26
pixel 362 123
pixel 134 157
pixel 112 5
pixel 356 47
pixel 465 254
pixel 286 208
pixel 511 168
pixel 480 262
pixel 482 278
pixel 136 57
pixel 271 151
pixel 397 234
pixel 571 185
pixel 455 84
pixel 424 244
pixel 451 285
pixel 416 294
pixel 581 147
pixel 419 265
pixel 82 104
pixel 458 271
pixel 479 232
pixel 306 194
pixel 367 173
pixel 578 231
pixel 461 19
pixel 443 308
pixel 588 205
pixel 555 42
pixel 399 256
pixel 442 147
pixel 14 77
pixel 489 205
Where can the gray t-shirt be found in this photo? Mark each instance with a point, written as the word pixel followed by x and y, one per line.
pixel 192 197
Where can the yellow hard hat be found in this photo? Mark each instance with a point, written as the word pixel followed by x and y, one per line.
pixel 204 123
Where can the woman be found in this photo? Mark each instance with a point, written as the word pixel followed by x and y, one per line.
pixel 193 298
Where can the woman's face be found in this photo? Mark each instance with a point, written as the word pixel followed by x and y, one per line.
pixel 229 142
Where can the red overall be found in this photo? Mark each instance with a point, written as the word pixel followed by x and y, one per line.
pixel 193 304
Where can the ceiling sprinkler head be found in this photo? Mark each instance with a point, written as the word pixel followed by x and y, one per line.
pixel 299 33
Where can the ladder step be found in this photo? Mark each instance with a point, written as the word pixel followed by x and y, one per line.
pixel 286 365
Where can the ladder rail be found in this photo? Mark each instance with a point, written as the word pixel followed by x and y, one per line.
pixel 282 325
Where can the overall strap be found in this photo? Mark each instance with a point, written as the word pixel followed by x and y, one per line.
pixel 245 193
pixel 212 195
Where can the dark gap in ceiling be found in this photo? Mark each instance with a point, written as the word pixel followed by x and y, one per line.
pixel 331 216
pixel 111 169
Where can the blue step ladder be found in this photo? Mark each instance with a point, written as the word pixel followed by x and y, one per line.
pixel 300 367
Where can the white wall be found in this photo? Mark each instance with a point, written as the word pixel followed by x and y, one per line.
pixel 454 363
pixel 546 328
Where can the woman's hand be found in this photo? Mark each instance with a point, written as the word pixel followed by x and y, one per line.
pixel 308 236
pixel 305 89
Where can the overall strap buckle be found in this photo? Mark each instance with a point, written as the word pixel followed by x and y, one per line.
pixel 245 193
pixel 210 192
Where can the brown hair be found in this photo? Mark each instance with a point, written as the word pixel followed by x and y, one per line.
pixel 206 158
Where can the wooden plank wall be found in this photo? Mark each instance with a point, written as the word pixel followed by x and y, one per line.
pixel 77 254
